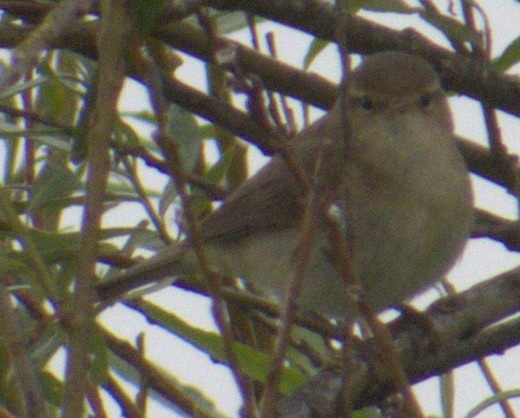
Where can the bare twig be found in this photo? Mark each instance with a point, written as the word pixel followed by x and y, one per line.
pixel 301 257
pixel 158 381
pixel 170 150
pixel 125 402
pixel 133 176
pixel 112 44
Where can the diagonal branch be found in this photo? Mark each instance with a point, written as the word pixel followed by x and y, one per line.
pixel 465 327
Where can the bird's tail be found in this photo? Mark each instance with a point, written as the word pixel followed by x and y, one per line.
pixel 161 269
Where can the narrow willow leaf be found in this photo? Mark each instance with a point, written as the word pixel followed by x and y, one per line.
pixel 142 115
pixel 218 171
pixel 493 400
pixel 21 87
pixel 396 6
pixel 52 388
pixel 253 363
pixel 183 127
pixel 317 45
pixel 229 22
pixel 452 28
pixel 447 394
pixel 509 57
pixel 98 355
pixel 130 375
pixel 54 181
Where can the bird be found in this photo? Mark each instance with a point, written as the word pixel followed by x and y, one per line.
pixel 400 183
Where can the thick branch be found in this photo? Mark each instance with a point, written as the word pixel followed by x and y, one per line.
pixel 460 74
pixel 320 19
pixel 463 333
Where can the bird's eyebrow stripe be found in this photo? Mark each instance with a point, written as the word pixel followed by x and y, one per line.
pixel 357 93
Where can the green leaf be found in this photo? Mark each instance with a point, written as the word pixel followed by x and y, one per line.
pixel 59 141
pixel 447 394
pixel 128 373
pixel 48 343
pixel 396 6
pixel 493 400
pixel 253 363
pixel 218 171
pixel 451 27
pixel 21 87
pixel 11 130
pixel 54 181
pixel 208 130
pixel 509 57
pixel 145 13
pixel 317 45
pixel 182 126
pixel 99 356
pixel 168 197
pixel 229 22
pixel 52 388
pixel 57 247
pixel 142 115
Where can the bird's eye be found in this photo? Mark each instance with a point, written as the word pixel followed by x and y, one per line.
pixel 425 100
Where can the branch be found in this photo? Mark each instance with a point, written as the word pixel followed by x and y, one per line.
pixel 464 330
pixel 462 74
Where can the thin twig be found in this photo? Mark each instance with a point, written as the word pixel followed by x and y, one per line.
pixel 128 408
pixel 159 381
pixel 115 27
pixel 301 261
pixel 170 150
pixel 133 176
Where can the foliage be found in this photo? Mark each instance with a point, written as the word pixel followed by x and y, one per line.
pixel 54 81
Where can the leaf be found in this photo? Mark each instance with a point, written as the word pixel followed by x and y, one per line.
pixel 48 342
pixel 253 363
pixel 396 6
pixel 169 195
pixel 52 388
pixel 56 247
pixel 99 356
pixel 12 130
pixel 450 27
pixel 146 13
pixel 447 394
pixel 317 45
pixel 183 127
pixel 21 87
pixel 142 115
pixel 229 22
pixel 52 140
pixel 509 57
pixel 128 373
pixel 218 171
pixel 506 394
pixel 54 181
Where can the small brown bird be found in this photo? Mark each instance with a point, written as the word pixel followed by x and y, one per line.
pixel 408 207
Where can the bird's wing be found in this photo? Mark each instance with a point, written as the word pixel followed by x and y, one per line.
pixel 250 209
pixel 273 190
